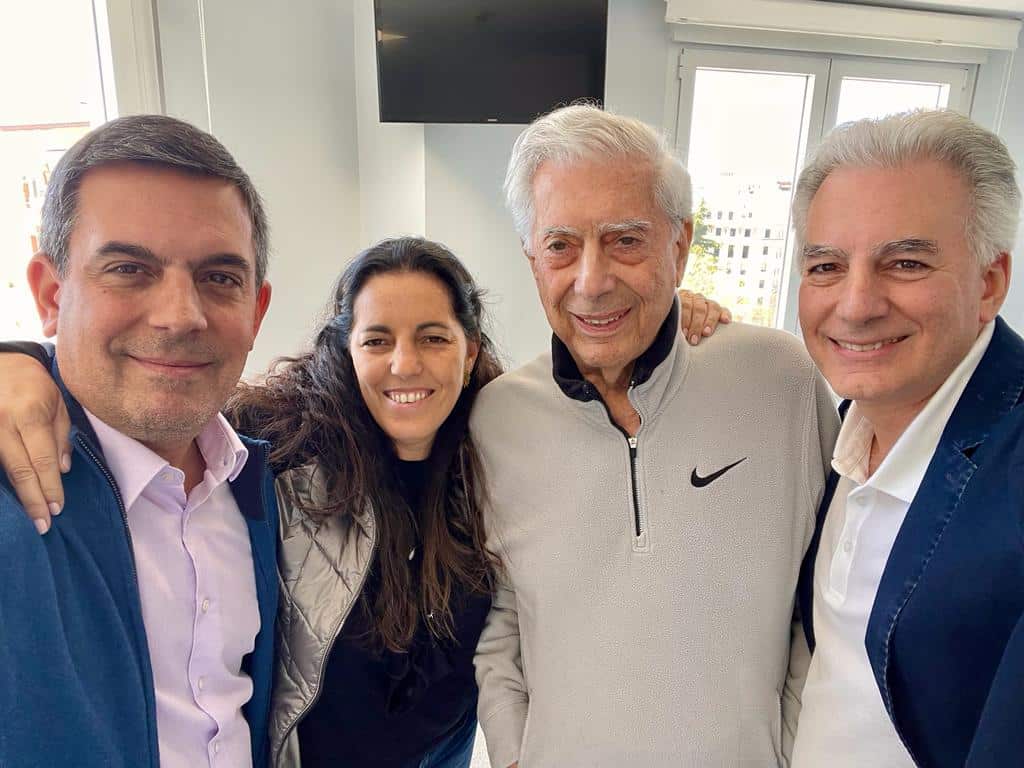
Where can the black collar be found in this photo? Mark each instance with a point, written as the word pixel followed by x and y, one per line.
pixel 569 379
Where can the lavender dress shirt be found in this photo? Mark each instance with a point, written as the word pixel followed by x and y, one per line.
pixel 198 591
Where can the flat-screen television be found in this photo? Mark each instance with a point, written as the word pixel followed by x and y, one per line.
pixel 487 61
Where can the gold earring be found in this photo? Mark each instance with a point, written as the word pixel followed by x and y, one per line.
pixel 466 377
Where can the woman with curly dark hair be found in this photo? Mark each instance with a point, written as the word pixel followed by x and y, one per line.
pixel 385 577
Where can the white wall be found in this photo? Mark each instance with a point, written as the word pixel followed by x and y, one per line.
pixel 392 180
pixel 281 96
pixel 639 42
pixel 464 171
pixel 1012 132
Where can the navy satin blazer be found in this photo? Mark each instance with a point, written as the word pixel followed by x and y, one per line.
pixel 946 634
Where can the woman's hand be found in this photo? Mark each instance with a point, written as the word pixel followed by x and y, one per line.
pixel 34 436
pixel 700 316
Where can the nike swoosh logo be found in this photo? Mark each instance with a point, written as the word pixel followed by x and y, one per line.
pixel 700 482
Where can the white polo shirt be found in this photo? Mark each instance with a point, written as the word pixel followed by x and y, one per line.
pixel 843 722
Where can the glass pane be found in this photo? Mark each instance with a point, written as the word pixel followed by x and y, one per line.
pixel 746 144
pixel 861 97
pixel 53 95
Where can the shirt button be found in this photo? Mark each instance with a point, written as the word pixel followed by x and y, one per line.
pixel 216 748
pixel 201 682
pixel 847 546
pixel 206 605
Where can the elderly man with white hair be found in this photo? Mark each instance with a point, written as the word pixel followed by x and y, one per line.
pixel 651 501
pixel 912 592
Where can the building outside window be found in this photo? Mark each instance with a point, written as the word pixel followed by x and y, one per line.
pixel 745 122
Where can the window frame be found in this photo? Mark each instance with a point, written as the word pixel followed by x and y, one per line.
pixel 129 53
pixel 961 79
pixel 965 80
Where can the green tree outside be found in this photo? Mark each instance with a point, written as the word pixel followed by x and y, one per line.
pixel 702 264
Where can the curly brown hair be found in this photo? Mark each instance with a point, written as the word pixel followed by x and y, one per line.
pixel 311 410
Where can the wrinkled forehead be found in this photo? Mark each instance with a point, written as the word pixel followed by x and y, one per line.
pixel 594 194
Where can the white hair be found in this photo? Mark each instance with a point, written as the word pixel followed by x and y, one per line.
pixel 977 155
pixel 585 132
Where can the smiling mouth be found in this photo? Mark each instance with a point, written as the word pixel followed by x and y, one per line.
pixel 182 366
pixel 870 347
pixel 405 397
pixel 601 321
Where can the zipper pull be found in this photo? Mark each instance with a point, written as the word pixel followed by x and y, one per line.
pixel 632 446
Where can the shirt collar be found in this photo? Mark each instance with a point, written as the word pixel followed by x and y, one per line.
pixel 569 379
pixel 134 466
pixel 902 470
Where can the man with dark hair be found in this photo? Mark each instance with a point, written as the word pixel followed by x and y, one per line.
pixel 139 631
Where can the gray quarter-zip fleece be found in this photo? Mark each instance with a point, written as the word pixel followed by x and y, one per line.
pixel 646 614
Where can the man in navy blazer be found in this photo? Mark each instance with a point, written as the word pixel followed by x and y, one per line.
pixel 912 591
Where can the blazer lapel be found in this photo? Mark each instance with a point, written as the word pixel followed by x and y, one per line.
pixel 937 498
pixel 994 388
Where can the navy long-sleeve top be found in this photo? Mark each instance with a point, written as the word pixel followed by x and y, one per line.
pixel 382 709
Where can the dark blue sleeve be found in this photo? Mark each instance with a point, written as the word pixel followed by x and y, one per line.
pixel 41 352
pixel 70 693
pixel 999 740
pixel 33 675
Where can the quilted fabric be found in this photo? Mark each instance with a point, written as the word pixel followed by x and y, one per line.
pixel 321 568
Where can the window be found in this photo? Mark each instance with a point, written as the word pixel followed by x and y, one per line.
pixel 760 283
pixel 746 251
pixel 874 89
pixel 732 232
pixel 57 87
pixel 719 215
pixel 746 120
pixel 718 230
pixel 732 251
